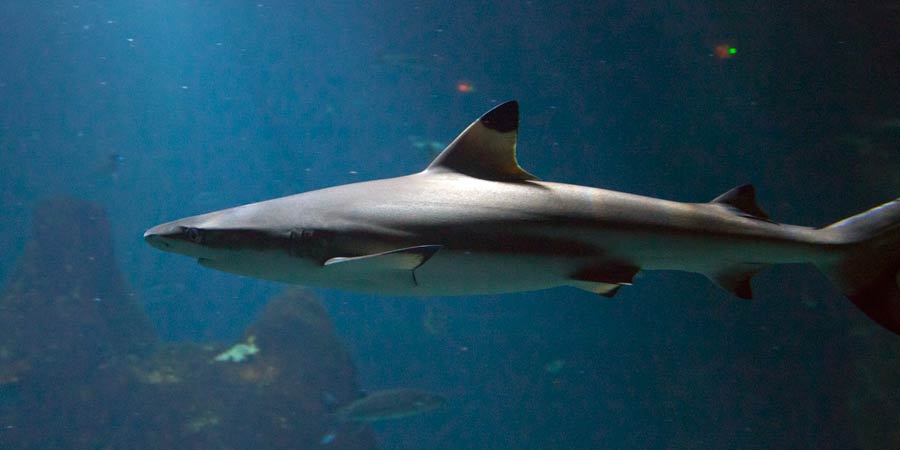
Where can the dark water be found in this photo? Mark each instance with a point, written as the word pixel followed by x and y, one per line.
pixel 159 110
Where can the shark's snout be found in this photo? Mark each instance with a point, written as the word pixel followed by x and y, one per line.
pixel 162 236
pixel 156 240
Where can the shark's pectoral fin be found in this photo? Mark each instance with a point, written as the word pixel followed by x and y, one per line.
pixel 402 259
pixel 604 279
pixel 487 148
pixel 736 279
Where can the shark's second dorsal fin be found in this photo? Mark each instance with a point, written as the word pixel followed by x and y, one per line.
pixel 487 148
pixel 742 200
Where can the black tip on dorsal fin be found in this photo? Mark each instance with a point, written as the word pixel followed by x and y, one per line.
pixel 743 199
pixel 503 118
pixel 487 148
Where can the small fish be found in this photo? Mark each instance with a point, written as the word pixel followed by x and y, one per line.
pixel 239 352
pixel 328 438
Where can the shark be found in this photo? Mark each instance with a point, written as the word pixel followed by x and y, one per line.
pixel 475 222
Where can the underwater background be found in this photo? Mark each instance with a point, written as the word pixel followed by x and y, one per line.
pixel 154 110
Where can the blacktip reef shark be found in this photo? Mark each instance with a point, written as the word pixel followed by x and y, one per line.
pixel 474 222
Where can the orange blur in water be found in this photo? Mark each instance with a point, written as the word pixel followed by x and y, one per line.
pixel 464 87
pixel 723 51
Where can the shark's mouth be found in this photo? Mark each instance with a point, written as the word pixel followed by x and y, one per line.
pixel 158 242
pixel 225 265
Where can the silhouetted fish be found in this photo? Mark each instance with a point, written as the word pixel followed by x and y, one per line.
pixel 389 404
pixel 382 405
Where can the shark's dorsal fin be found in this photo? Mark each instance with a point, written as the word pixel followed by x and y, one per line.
pixel 487 148
pixel 742 199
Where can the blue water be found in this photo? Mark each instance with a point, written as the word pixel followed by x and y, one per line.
pixel 160 110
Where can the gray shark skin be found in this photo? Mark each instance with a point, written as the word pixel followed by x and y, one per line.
pixel 474 222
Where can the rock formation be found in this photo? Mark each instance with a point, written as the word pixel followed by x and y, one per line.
pixel 81 367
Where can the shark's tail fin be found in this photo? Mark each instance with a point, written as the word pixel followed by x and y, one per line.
pixel 868 271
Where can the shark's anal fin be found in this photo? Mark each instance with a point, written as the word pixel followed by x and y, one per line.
pixel 486 149
pixel 736 279
pixel 605 279
pixel 742 201
pixel 401 259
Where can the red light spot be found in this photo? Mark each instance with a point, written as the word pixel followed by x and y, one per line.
pixel 465 87
pixel 723 51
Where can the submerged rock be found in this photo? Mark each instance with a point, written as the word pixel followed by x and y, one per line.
pixel 66 299
pixel 68 325
pixel 271 398
pixel 82 368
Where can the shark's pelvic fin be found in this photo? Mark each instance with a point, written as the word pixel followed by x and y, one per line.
pixel 605 279
pixel 487 148
pixel 736 279
pixel 742 200
pixel 604 289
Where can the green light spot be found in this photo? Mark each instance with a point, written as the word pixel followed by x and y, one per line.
pixel 732 51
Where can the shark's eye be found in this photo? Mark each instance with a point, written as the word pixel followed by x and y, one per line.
pixel 193 235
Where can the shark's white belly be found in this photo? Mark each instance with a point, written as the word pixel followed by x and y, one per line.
pixel 453 273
